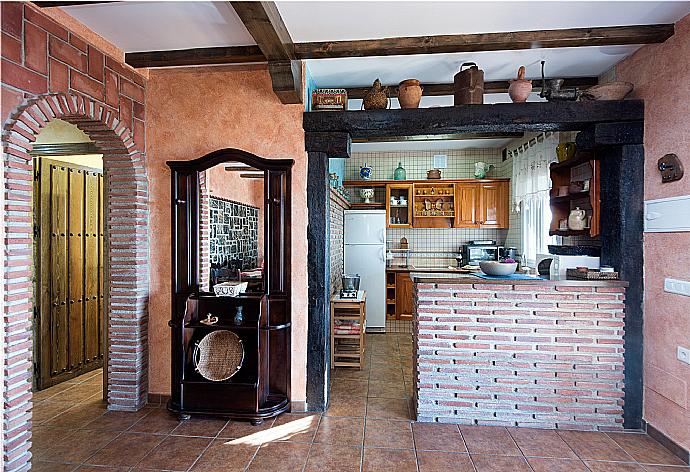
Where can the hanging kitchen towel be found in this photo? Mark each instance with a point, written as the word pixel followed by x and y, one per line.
pixel 507 277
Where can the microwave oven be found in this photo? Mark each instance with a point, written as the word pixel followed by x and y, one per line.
pixel 472 254
pixel 555 266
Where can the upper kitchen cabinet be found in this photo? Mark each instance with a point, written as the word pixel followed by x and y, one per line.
pixel 399 201
pixel 434 204
pixel 467 197
pixel 575 196
pixel 493 204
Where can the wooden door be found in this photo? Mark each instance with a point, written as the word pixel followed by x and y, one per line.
pixel 466 205
pixel 69 319
pixel 404 296
pixel 493 205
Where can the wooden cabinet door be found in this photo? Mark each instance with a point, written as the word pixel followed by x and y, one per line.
pixel 404 296
pixel 399 216
pixel 466 205
pixel 493 205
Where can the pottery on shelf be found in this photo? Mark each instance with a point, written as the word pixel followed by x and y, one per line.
pixel 409 93
pixel 433 174
pixel 365 172
pixel 367 194
pixel 376 98
pixel 400 173
pixel 565 151
pixel 520 88
pixel 481 169
pixel 577 220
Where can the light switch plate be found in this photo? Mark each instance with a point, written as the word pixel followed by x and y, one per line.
pixel 683 355
pixel 680 287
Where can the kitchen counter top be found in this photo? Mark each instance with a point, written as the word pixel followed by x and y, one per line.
pixel 433 277
pixel 426 270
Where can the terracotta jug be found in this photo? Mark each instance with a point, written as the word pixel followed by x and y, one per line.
pixel 409 93
pixel 520 88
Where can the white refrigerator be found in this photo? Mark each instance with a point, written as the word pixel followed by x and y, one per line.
pixel 365 254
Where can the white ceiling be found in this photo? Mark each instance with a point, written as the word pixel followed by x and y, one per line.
pixel 141 26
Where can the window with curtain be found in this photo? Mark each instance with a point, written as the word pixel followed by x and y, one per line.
pixel 531 186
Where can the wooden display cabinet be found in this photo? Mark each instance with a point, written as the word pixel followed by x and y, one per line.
pixel 390 295
pixel 434 205
pixel 400 214
pixel 482 204
pixel 561 205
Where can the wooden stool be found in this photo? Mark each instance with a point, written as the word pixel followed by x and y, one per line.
pixel 347 350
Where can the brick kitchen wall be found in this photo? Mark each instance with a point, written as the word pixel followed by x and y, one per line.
pixel 337 221
pixel 546 356
pixel 49 72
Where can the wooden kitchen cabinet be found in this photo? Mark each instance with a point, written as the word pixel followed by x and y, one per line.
pixel 399 215
pixel 404 296
pixel 467 202
pixel 493 205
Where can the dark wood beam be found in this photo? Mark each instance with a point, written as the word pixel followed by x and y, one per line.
pixel 195 57
pixel 498 118
pixel 494 86
pixel 71 3
pixel 508 41
pixel 438 137
pixel 264 23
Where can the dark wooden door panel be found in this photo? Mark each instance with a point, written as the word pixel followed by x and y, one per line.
pixel 69 267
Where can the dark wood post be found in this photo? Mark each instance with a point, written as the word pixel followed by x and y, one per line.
pixel 318 261
pixel 622 205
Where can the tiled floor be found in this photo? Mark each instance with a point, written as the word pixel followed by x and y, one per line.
pixel 367 428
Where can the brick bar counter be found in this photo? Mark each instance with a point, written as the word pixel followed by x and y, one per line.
pixel 543 354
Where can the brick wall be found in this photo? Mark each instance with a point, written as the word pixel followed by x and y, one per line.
pixel 337 222
pixel 534 355
pixel 50 73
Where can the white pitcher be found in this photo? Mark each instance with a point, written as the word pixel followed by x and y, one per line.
pixel 577 220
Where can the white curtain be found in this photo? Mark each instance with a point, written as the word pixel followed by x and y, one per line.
pixel 531 186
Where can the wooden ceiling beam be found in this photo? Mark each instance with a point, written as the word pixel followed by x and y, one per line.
pixel 508 41
pixel 264 23
pixel 495 86
pixel 439 137
pixel 195 57
pixel 71 3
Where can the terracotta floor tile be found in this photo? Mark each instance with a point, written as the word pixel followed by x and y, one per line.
pixel 500 464
pixel 281 456
pixel 349 387
pixel 541 443
pixel 340 430
pixel 434 461
pixel 388 433
pixel 51 391
pixel 388 460
pixel 350 373
pixel 42 466
pixel 43 438
pixel 391 408
pixel 158 421
pixel 489 440
pixel 175 453
pixel 386 389
pixel 48 409
pixel 76 417
pixel 542 464
pixel 332 458
pixel 666 468
pixel 78 393
pixel 125 450
pixel 225 456
pixel 200 426
pixel 596 466
pixel 645 449
pixel 117 420
pixel 92 468
pixel 594 446
pixel 240 429
pixel 297 427
pixel 77 447
pixel 437 437
pixel 347 406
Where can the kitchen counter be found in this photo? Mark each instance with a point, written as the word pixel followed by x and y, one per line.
pixel 427 270
pixel 533 353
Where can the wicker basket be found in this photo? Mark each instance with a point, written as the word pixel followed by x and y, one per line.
pixel 376 98
pixel 219 355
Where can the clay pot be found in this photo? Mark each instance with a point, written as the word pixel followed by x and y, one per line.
pixel 520 88
pixel 409 93
pixel 376 98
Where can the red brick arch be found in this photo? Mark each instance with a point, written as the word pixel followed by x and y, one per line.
pixel 126 257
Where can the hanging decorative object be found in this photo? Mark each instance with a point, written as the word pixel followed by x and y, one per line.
pixel 376 98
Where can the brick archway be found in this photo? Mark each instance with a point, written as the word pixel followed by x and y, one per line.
pixel 126 257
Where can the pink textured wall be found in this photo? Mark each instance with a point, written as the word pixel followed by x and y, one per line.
pixel 229 185
pixel 191 112
pixel 661 74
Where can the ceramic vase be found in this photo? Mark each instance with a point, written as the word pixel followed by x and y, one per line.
pixel 365 172
pixel 520 88
pixel 367 194
pixel 400 173
pixel 409 93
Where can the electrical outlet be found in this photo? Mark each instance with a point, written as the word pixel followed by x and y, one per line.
pixel 680 287
pixel 684 355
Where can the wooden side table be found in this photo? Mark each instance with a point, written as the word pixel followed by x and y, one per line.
pixel 347 350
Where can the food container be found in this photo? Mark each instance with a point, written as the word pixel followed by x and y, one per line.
pixel 229 289
pixel 497 268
